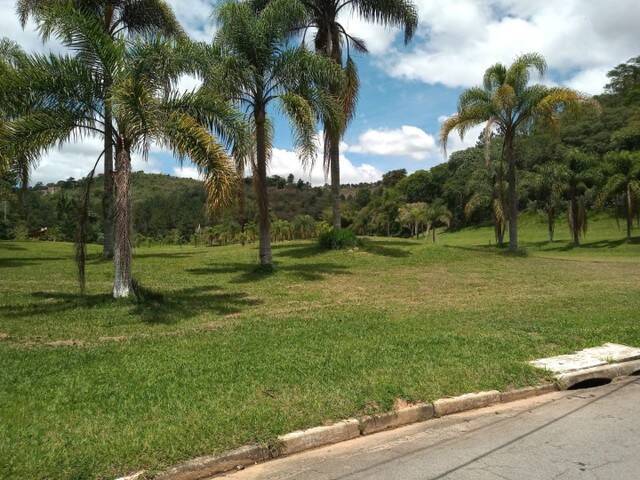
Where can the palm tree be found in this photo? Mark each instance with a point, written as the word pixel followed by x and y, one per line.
pixel 11 58
pixel 437 213
pixel 549 183
pixel 331 40
pixel 413 215
pixel 83 26
pixel 65 95
pixel 508 102
pixel 487 189
pixel 580 178
pixel 251 64
pixel 623 172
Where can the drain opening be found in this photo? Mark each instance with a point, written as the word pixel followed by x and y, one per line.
pixel 590 383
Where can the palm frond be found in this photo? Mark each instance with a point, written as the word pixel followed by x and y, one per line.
pixel 398 13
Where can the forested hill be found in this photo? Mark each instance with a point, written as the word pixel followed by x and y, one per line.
pixel 164 207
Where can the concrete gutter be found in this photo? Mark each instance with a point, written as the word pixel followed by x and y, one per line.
pixel 299 441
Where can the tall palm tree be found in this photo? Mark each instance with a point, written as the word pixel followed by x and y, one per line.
pixel 65 95
pixel 333 41
pixel 112 19
pixel 508 103
pixel 252 65
pixel 580 179
pixel 437 213
pixel 623 172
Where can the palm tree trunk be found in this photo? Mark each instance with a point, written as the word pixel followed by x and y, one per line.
pixel 260 184
pixel 629 211
pixel 327 43
pixel 513 194
pixel 107 196
pixel 573 218
pixel 123 282
pixel 551 223
pixel 334 158
pixel 242 208
pixel 497 197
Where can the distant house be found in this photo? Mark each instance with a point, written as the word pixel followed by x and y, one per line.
pixel 50 190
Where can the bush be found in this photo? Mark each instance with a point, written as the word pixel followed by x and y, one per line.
pixel 20 232
pixel 336 239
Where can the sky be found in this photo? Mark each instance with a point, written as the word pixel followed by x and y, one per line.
pixel 406 90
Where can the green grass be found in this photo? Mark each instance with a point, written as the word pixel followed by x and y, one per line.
pixel 223 355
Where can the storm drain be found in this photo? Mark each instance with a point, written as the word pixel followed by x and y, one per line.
pixel 590 383
pixel 588 358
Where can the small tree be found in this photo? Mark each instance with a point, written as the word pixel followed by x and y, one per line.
pixel 413 215
pixel 580 178
pixel 436 214
pixel 549 183
pixel 623 172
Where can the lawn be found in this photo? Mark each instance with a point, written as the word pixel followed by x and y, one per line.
pixel 218 355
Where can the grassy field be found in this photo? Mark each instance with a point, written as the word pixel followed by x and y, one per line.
pixel 220 355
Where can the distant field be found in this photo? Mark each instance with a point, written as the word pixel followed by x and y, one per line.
pixel 221 356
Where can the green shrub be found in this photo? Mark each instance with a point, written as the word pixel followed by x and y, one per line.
pixel 20 232
pixel 337 238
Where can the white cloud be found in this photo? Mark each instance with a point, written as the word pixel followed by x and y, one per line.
pixel 458 39
pixel 188 83
pixel 77 159
pixel 590 81
pixel 283 162
pixel 187 172
pixel 406 141
pixel 378 38
pixel 195 17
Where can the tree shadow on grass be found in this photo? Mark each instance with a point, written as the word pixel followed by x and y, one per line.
pixel 599 244
pixel 165 255
pixel 11 246
pixel 375 247
pixel 27 261
pixel 249 273
pixel 151 307
pixel 378 247
pixel 190 302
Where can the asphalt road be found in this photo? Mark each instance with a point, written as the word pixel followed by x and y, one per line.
pixel 582 434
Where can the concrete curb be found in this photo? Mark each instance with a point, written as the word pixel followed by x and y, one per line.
pixel 301 440
pixel 203 467
pixel 133 476
pixel 402 416
pixel 527 392
pixel 469 401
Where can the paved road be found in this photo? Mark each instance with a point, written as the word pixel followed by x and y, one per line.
pixel 583 434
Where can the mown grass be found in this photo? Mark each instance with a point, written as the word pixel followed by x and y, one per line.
pixel 221 354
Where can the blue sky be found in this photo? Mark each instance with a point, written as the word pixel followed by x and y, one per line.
pixel 406 91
